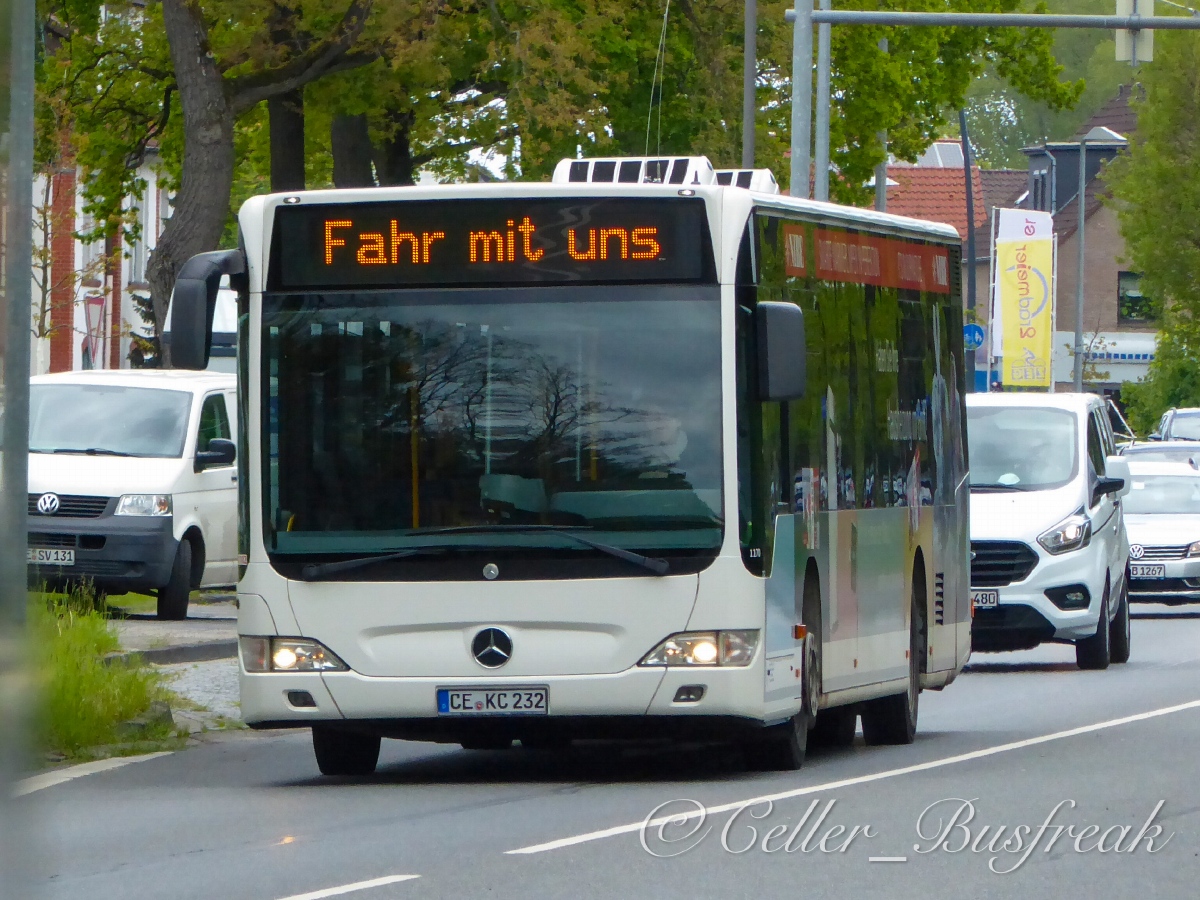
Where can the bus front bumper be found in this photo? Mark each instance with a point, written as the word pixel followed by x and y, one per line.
pixel 639 702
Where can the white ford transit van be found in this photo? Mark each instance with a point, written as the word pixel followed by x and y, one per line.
pixel 132 483
pixel 1049 552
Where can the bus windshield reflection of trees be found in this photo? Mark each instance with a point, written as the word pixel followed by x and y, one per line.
pixel 568 412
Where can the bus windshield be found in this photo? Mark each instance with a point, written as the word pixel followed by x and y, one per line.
pixel 393 414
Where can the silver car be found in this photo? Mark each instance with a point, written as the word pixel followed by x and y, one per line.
pixel 1162 516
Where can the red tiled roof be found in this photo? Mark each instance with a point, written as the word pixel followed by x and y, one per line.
pixel 1002 187
pixel 939 195
pixel 1116 114
pixel 1066 220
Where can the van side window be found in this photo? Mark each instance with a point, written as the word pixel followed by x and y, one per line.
pixel 214 421
pixel 1095 447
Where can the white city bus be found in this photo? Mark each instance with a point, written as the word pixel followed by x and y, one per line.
pixel 632 454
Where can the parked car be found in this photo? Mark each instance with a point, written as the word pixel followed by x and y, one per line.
pixel 1163 451
pixel 1162 515
pixel 1048 542
pixel 132 483
pixel 1178 425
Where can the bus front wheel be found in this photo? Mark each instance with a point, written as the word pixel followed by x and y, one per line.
pixel 893 719
pixel 345 752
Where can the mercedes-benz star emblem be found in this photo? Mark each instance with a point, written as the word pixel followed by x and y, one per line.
pixel 1136 551
pixel 492 648
pixel 47 504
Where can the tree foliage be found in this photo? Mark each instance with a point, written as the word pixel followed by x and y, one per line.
pixel 430 84
pixel 1157 194
pixel 1002 119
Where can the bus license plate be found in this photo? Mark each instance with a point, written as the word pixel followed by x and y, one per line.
pixel 505 701
pixel 1145 571
pixel 49 556
pixel 985 599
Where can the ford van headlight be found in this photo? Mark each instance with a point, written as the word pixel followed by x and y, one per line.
pixel 704 648
pixel 1072 533
pixel 1194 549
pixel 144 505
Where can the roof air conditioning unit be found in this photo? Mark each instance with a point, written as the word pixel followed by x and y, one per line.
pixel 682 170
pixel 761 180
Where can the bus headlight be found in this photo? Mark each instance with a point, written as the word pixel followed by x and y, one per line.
pixel 704 648
pixel 276 654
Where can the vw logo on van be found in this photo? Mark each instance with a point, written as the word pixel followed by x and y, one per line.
pixel 48 504
pixel 1136 551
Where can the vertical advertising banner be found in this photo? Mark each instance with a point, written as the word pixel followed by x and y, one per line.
pixel 1023 297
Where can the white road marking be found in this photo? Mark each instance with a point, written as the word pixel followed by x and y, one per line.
pixel 61 776
pixel 888 859
pixel 351 888
pixel 850 782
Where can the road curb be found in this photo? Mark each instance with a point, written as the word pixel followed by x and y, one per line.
pixel 182 653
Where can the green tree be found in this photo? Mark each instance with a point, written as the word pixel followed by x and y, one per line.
pixel 1157 193
pixel 1002 120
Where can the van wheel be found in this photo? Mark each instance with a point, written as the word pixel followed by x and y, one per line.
pixel 173 596
pixel 1095 652
pixel 345 752
pixel 1119 632
pixel 893 719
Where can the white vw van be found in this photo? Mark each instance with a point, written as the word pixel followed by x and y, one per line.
pixel 1049 550
pixel 132 483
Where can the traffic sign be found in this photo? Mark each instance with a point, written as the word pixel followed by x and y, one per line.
pixel 973 336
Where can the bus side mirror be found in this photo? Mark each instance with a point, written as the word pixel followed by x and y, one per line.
pixel 781 351
pixel 193 303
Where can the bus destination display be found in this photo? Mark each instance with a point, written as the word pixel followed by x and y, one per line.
pixel 509 241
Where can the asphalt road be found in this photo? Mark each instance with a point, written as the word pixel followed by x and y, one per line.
pixel 1023 737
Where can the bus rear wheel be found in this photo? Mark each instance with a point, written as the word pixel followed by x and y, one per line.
pixel 345 752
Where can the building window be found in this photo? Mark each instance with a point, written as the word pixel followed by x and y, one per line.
pixel 137 253
pixel 1132 307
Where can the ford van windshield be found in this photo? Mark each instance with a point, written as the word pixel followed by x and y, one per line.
pixel 1021 448
pixel 107 420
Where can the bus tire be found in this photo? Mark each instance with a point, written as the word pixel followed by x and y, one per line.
pixel 486 743
pixel 1119 632
pixel 781 748
pixel 1095 652
pixel 893 719
pixel 834 728
pixel 345 752
pixel 173 596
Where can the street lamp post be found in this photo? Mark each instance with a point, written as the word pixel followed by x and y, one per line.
pixel 1080 271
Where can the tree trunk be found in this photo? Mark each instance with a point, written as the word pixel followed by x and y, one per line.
pixel 286 113
pixel 394 161
pixel 202 205
pixel 351 145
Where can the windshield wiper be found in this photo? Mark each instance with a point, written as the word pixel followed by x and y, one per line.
pixel 90 451
pixel 653 563
pixel 988 488
pixel 316 571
